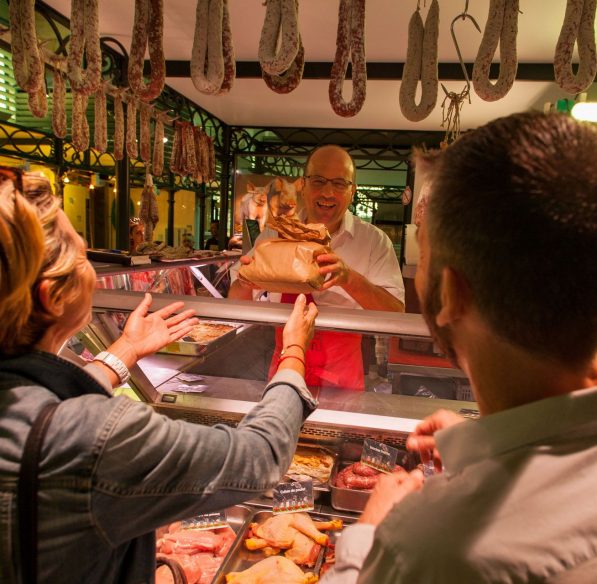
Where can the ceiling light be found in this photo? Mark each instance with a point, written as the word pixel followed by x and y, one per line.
pixel 165 139
pixel 585 111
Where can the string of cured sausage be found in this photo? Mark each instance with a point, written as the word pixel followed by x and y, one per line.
pixel 59 126
pixel 579 26
pixel 27 60
pixel 421 64
pixel 148 31
pixel 212 59
pixel 132 148
pixel 100 130
pixel 350 46
pixel 288 80
pixel 193 153
pixel 279 41
pixel 145 132
pixel 501 28
pixel 84 41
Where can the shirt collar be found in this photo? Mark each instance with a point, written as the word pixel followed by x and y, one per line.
pixel 473 441
pixel 346 226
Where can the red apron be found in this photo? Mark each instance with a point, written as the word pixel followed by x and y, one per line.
pixel 333 359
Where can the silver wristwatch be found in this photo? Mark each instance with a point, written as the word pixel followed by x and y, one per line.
pixel 114 363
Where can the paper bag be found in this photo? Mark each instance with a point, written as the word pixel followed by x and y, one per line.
pixel 280 265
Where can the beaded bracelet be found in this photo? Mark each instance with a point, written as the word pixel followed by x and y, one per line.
pixel 292 357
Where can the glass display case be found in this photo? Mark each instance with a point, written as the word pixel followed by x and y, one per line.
pixel 219 372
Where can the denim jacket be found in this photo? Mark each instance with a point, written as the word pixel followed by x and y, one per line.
pixel 112 471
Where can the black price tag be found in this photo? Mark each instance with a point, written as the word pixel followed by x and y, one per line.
pixel 379 456
pixel 293 496
pixel 215 520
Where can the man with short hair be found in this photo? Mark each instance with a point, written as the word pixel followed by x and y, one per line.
pixel 507 280
pixel 362 271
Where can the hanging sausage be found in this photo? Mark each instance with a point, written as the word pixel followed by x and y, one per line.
pixel 421 63
pixel 100 130
pixel 350 46
pixel 148 31
pixel 579 26
pixel 59 126
pixel 501 28
pixel 84 41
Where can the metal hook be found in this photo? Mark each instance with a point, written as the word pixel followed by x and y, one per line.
pixel 464 15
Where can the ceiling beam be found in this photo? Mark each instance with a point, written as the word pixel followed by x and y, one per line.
pixel 375 71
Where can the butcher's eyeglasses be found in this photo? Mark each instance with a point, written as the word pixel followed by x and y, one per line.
pixel 339 185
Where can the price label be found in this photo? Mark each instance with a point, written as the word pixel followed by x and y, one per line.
pixel 215 520
pixel 293 496
pixel 379 456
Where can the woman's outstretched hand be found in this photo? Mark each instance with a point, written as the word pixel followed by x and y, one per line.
pixel 145 332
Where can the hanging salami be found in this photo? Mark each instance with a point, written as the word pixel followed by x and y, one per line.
pixel 350 46
pixel 157 164
pixel 501 28
pixel 79 124
pixel 59 126
pixel 228 49
pixel 148 31
pixel 118 127
pixel 579 26
pixel 132 148
pixel 148 212
pixel 421 64
pixel 145 132
pixel 100 130
pixel 289 80
pixel 279 41
pixel 207 57
pixel 84 41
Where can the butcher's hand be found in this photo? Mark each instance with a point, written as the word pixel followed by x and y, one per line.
pixel 332 265
pixel 389 491
pixel 146 333
pixel 422 440
pixel 301 325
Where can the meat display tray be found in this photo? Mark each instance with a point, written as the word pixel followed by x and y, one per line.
pixel 188 346
pixel 237 517
pixel 354 499
pixel 239 558
pixel 318 487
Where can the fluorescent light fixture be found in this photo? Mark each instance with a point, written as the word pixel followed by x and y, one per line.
pixel 585 111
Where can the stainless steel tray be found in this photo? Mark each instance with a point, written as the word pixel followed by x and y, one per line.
pixel 240 558
pixel 354 499
pixel 318 487
pixel 187 346
pixel 238 517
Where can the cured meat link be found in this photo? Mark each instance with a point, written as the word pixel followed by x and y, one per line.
pixel 280 27
pixel 350 44
pixel 288 81
pixel 59 126
pixel 84 40
pixel 132 148
pixel 118 128
pixel 79 125
pixel 228 49
pixel 579 26
pixel 100 131
pixel 207 58
pixel 157 164
pixel 148 30
pixel 26 57
pixel 421 63
pixel 502 28
pixel 145 132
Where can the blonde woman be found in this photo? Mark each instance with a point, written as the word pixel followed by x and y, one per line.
pixel 110 470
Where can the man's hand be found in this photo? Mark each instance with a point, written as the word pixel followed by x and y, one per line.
pixel 389 491
pixel 422 439
pixel 146 333
pixel 330 263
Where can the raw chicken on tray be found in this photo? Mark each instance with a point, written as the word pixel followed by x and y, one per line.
pixel 199 552
pixel 272 570
pixel 296 533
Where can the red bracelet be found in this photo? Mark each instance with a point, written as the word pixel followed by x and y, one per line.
pixel 293 345
pixel 292 357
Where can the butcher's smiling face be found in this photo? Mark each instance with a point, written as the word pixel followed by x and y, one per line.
pixel 327 204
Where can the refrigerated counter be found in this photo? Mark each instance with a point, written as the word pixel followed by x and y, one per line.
pixel 220 380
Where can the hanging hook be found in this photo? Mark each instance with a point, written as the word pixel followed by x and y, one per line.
pixel 463 15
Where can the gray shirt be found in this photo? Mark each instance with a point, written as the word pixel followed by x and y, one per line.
pixel 112 470
pixel 516 503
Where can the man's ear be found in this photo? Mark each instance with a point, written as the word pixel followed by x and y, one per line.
pixel 55 307
pixel 455 297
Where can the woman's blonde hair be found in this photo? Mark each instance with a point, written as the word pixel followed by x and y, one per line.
pixel 33 248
